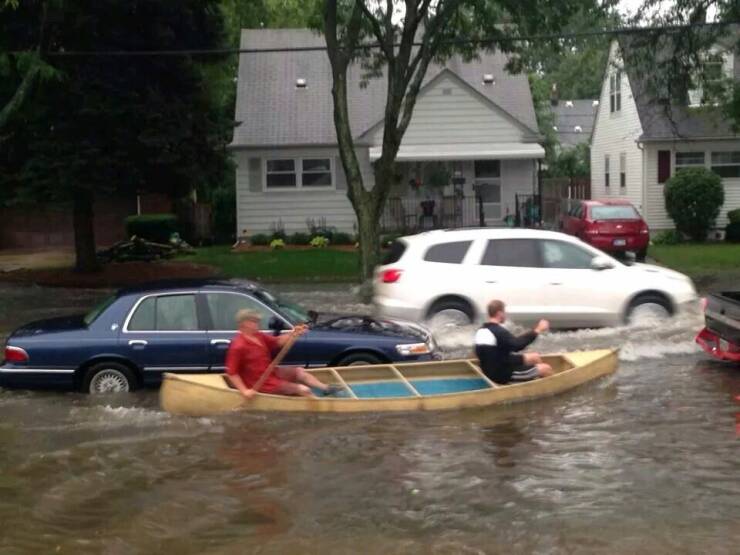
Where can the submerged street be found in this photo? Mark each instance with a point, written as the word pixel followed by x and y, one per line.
pixel 645 461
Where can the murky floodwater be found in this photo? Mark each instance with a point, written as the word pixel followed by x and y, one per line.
pixel 645 462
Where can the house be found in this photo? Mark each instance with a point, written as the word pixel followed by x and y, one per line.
pixel 640 140
pixel 474 124
pixel 573 120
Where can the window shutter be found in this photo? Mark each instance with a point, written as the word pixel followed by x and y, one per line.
pixel 255 175
pixel 664 165
pixel 339 174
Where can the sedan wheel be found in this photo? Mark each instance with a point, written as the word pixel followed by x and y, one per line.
pixel 109 378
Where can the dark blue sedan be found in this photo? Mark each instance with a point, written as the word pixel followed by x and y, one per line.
pixel 130 339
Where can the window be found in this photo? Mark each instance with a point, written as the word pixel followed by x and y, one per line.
pixel 689 159
pixel 488 169
pixel 224 306
pixel 558 254
pixel 520 253
pixel 395 252
pixel 606 170
pixel 614 212
pixel 615 91
pixel 165 313
pixel 280 174
pixel 664 165
pixel 316 172
pixel 449 253
pixel 622 170
pixel 299 173
pixel 726 164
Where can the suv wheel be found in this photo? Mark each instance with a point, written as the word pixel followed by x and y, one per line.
pixel 109 377
pixel 450 313
pixel 648 306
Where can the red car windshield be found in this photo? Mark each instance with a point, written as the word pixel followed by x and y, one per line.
pixel 614 212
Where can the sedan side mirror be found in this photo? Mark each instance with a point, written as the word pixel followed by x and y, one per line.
pixel 601 263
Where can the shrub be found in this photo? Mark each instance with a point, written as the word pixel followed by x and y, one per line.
pixel 277 244
pixel 668 237
pixel 734 216
pixel 299 239
pixel 693 198
pixel 341 238
pixel 279 235
pixel 732 232
pixel 152 227
pixel 319 242
pixel 260 240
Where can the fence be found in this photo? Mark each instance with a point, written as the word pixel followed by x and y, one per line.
pixel 557 189
pixel 408 215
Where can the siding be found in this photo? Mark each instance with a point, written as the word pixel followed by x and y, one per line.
pixel 655 215
pixel 258 211
pixel 616 133
pixel 449 112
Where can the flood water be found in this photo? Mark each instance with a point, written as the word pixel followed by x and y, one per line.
pixel 647 461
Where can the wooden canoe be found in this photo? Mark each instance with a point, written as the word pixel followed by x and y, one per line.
pixel 437 385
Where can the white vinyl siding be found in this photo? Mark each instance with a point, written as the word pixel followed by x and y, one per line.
pixel 655 214
pixel 449 112
pixel 616 135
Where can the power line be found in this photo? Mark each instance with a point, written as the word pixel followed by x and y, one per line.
pixel 372 46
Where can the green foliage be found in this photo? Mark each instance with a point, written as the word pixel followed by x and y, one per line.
pixel 732 232
pixel 667 237
pixel 693 198
pixel 279 234
pixel 571 162
pixel 341 238
pixel 319 242
pixel 260 240
pixel 152 227
pixel 277 244
pixel 299 238
pixel 734 216
pixel 223 204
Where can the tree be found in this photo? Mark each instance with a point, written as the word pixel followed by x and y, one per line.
pixel 410 36
pixel 114 123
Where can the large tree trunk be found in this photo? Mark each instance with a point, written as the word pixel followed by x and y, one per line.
pixel 369 235
pixel 84 230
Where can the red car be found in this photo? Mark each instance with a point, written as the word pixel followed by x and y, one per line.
pixel 612 225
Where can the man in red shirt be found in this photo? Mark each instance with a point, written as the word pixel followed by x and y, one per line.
pixel 250 354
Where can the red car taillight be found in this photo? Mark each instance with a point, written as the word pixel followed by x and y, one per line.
pixel 644 229
pixel 390 276
pixel 15 354
pixel 591 228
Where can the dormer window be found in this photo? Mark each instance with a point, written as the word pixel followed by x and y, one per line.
pixel 709 81
pixel 615 91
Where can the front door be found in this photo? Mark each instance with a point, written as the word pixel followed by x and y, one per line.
pixel 488 186
pixel 165 333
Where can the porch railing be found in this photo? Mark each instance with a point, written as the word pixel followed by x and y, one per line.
pixel 408 215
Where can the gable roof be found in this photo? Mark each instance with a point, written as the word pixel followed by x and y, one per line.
pixel 272 111
pixel 569 114
pixel 670 121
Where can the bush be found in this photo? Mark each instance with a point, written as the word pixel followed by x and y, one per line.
pixel 693 198
pixel 734 216
pixel 341 238
pixel 260 240
pixel 732 232
pixel 319 242
pixel 277 244
pixel 152 227
pixel 279 235
pixel 668 237
pixel 299 239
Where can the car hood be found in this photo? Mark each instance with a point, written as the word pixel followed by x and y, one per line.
pixel 661 271
pixel 378 327
pixel 51 325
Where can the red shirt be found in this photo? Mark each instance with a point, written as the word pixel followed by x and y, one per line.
pixel 249 358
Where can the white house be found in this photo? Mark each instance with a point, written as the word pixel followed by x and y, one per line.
pixel 639 140
pixel 472 118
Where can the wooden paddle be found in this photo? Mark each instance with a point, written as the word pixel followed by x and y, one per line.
pixel 277 360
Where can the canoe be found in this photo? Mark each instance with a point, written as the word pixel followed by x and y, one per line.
pixel 427 386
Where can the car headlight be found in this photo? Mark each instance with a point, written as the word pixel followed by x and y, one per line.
pixel 410 349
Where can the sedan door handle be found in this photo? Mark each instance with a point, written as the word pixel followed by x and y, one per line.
pixel 220 341
pixel 139 342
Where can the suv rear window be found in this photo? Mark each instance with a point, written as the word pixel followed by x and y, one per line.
pixel 449 253
pixel 395 252
pixel 614 212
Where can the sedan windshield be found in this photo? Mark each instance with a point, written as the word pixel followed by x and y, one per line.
pixel 615 212
pixel 295 313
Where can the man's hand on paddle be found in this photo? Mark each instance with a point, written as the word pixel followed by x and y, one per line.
pixel 542 326
pixel 300 329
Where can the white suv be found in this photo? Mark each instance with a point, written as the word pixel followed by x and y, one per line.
pixel 452 275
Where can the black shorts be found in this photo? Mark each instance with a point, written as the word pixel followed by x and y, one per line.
pixel 524 373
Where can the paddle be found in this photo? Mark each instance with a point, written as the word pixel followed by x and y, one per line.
pixel 276 361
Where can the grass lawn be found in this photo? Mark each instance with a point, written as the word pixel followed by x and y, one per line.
pixel 712 266
pixel 282 266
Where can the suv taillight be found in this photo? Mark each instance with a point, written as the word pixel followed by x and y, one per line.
pixel 15 354
pixel 390 276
